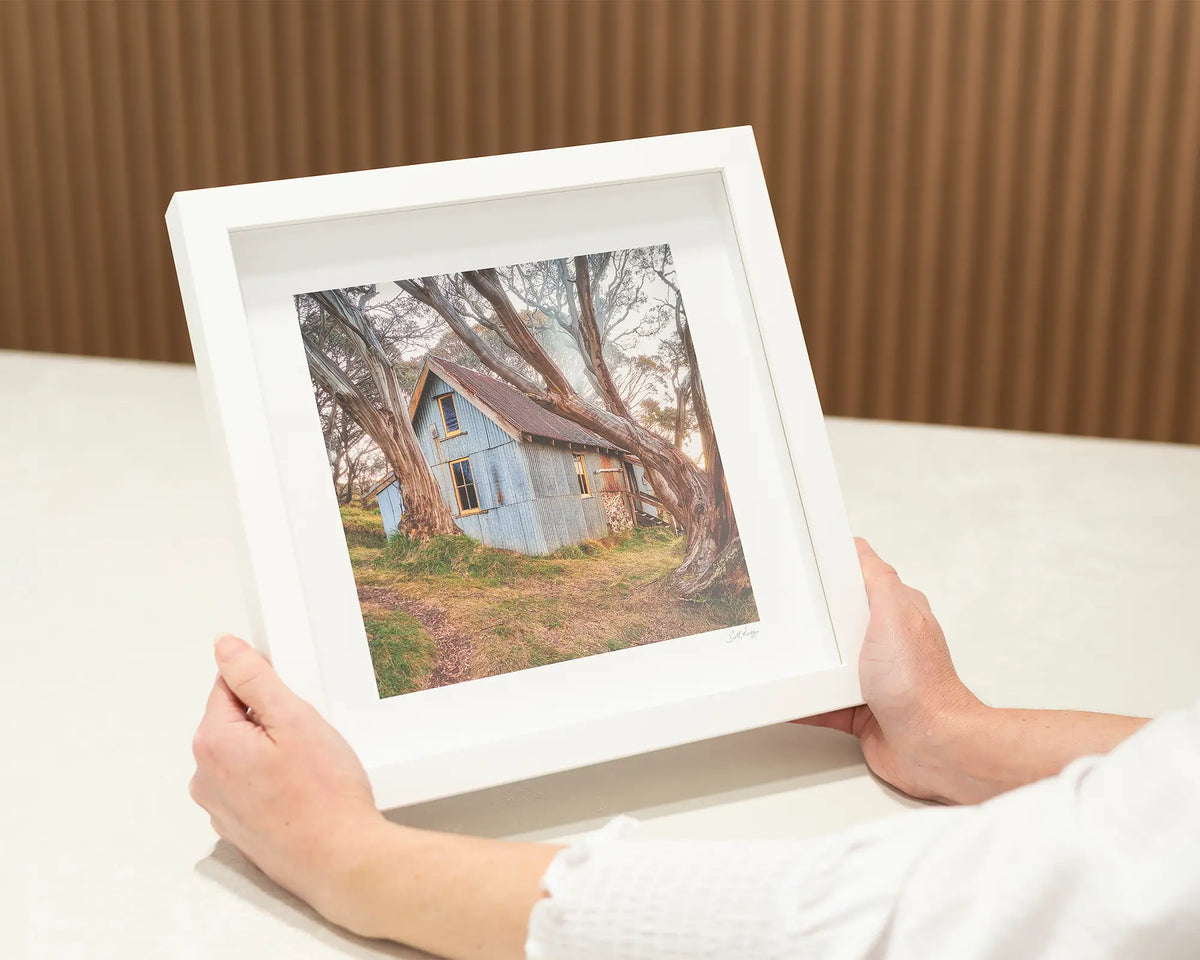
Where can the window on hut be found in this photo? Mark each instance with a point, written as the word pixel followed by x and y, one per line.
pixel 449 413
pixel 464 485
pixel 585 489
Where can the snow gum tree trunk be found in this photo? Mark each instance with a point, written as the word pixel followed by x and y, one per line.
pixel 383 417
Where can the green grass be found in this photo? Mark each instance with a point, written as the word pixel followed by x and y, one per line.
pixel 402 651
pixel 648 538
pixel 458 556
pixel 364 528
pixel 514 611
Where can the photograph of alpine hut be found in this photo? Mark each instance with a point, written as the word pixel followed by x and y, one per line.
pixel 515 475
pixel 524 464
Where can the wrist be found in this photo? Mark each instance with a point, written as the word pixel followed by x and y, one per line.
pixel 945 744
pixel 963 732
pixel 360 893
pixel 445 894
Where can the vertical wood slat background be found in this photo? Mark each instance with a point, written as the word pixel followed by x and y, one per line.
pixel 991 212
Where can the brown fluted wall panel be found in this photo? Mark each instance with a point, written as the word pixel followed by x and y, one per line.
pixel 991 212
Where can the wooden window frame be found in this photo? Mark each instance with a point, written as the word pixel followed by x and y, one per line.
pixel 447 433
pixel 581 475
pixel 464 512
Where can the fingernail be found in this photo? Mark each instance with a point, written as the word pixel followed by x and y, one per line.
pixel 226 646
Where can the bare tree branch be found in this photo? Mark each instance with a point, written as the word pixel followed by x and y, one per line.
pixel 427 291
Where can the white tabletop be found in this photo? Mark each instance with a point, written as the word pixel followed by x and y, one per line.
pixel 1063 570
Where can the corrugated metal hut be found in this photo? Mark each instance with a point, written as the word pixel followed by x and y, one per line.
pixel 515 475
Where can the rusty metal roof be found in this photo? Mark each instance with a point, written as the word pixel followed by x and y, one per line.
pixel 513 407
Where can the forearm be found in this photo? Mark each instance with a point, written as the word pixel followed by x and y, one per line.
pixel 993 750
pixel 453 896
pixel 465 897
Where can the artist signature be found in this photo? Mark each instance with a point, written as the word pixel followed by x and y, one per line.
pixel 741 633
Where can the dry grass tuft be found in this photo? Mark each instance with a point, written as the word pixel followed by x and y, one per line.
pixel 515 612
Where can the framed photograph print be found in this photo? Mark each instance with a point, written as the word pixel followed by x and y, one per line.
pixel 527 455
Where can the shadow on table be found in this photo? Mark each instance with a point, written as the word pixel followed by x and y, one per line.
pixel 695 776
pixel 226 866
pixel 690 777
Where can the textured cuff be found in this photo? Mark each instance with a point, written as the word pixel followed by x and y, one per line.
pixel 614 896
pixel 548 920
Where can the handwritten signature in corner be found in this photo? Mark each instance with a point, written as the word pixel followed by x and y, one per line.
pixel 741 633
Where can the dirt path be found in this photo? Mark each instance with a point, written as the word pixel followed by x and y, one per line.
pixel 532 612
pixel 453 648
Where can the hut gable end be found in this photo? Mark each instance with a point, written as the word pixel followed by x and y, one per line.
pixel 506 468
pixel 496 468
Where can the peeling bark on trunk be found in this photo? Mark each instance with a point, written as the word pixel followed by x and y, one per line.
pixel 384 418
pixel 726 554
pixel 708 437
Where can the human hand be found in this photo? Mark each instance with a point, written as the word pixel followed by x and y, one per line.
pixel 917 709
pixel 283 786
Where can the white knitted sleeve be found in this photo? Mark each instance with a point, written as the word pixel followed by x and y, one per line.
pixel 1102 861
pixel 612 896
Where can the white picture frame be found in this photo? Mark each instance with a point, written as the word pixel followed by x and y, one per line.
pixel 241 251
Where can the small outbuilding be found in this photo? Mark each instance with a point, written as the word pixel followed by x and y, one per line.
pixel 515 475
